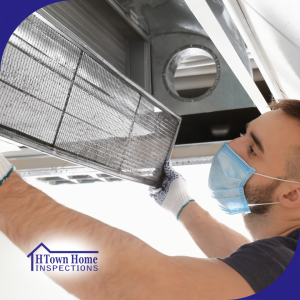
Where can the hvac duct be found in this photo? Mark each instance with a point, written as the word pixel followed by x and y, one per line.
pixel 189 75
pixel 119 42
pixel 176 36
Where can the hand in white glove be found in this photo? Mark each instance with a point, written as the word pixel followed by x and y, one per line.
pixel 172 195
pixel 5 168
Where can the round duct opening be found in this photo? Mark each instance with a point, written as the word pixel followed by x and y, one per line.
pixel 191 73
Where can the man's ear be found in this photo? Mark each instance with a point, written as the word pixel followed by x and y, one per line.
pixel 291 197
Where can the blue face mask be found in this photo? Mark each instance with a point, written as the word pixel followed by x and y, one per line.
pixel 228 176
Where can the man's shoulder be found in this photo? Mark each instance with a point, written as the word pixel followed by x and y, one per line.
pixel 294 234
pixel 263 261
pixel 289 242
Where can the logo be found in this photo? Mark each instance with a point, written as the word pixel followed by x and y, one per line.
pixel 63 261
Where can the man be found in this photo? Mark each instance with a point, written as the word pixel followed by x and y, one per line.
pixel 130 269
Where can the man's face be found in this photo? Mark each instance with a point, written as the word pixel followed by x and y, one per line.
pixel 265 147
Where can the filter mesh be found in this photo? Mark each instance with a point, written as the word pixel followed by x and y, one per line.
pixel 56 96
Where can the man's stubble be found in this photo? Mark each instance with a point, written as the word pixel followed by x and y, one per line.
pixel 260 215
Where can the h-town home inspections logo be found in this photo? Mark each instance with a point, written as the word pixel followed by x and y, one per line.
pixel 63 261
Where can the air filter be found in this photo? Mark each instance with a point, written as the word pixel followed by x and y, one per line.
pixel 60 97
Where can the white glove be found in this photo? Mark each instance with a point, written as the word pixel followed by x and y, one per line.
pixel 172 195
pixel 5 168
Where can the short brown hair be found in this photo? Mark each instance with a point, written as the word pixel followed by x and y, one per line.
pixel 292 109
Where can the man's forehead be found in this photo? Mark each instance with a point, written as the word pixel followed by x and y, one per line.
pixel 273 119
pixel 275 128
pixel 271 115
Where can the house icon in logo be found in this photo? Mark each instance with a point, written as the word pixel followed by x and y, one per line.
pixel 31 254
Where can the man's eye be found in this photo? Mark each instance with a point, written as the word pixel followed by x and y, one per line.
pixel 252 152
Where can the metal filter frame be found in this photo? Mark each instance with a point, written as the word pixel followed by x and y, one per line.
pixel 35 143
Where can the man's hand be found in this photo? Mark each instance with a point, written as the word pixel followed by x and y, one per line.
pixel 172 195
pixel 212 237
pixel 5 168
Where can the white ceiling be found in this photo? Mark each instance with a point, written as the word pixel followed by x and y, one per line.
pixel 275 25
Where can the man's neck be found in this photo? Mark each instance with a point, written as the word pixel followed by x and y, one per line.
pixel 270 225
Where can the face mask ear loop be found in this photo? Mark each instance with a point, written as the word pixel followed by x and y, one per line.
pixel 255 204
pixel 276 178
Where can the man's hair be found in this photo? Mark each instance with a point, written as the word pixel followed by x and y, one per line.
pixel 291 109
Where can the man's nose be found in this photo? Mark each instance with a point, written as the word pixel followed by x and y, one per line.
pixel 236 145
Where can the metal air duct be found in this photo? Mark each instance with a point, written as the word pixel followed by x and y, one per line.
pixel 176 39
